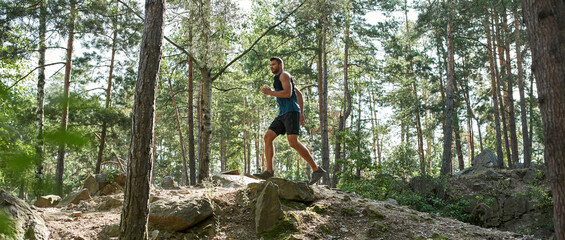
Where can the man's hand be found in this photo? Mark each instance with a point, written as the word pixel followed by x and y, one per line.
pixel 266 90
pixel 302 120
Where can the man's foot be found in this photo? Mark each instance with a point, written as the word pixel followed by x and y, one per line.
pixel 317 175
pixel 264 175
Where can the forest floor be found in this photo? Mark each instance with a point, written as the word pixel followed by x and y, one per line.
pixel 334 215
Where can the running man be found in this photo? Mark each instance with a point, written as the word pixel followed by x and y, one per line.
pixel 289 120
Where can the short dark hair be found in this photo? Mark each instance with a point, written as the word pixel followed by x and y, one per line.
pixel 278 59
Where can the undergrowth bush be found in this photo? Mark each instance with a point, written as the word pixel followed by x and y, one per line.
pixel 385 187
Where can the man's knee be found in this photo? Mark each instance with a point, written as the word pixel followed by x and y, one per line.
pixel 293 142
pixel 268 137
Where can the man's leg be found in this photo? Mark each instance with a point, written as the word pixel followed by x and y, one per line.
pixel 303 151
pixel 269 137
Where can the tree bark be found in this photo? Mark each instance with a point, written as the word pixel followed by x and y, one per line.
pixel 205 126
pixel 65 116
pixel 545 20
pixel 135 211
pixel 448 129
pixel 108 98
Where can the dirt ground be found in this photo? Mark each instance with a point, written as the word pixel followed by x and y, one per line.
pixel 334 215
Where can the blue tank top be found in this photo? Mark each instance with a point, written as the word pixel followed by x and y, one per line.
pixel 286 104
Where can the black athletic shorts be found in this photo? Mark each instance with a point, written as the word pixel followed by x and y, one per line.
pixel 288 123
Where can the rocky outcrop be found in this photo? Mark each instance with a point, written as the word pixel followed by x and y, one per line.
pixel 75 197
pixel 233 181
pixel 27 223
pixel 179 214
pixel 293 190
pixel 268 210
pixel 47 201
pixel 105 183
pixel 169 183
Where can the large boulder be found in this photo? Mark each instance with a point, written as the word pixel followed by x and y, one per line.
pixel 169 183
pixel 105 183
pixel 179 214
pixel 486 159
pixel 268 210
pixel 27 223
pixel 47 201
pixel 293 190
pixel 233 181
pixel 75 197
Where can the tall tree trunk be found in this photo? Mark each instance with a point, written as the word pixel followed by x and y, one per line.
pixel 346 109
pixel 500 78
pixel 205 126
pixel 523 110
pixel 375 126
pixel 457 133
pixel 108 98
pixel 510 91
pixel 184 173
pixel 544 20
pixel 470 116
pixel 447 131
pixel 39 113
pixel 190 118
pixel 491 52
pixel 324 104
pixel 135 212
pixel 65 116
pixel 416 100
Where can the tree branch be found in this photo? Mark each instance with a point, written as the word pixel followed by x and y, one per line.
pixel 46 65
pixel 166 38
pixel 255 43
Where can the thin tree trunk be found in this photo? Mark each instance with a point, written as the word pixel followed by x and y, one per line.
pixel 544 20
pixel 108 98
pixel 184 174
pixel 65 116
pixel 416 100
pixel 523 110
pixel 500 78
pixel 135 211
pixel 447 132
pixel 494 87
pixel 205 127
pixel 347 109
pixel 190 119
pixel 39 113
pixel 324 105
pixel 510 91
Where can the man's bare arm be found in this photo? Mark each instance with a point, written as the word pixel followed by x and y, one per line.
pixel 287 88
pixel 300 101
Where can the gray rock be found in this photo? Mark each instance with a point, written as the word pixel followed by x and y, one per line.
pixel 27 223
pixel 268 210
pixel 293 190
pixel 514 207
pixel 110 203
pixel 486 159
pixel 97 184
pixel 47 201
pixel 75 197
pixel 233 181
pixel 109 232
pixel 169 183
pixel 179 214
